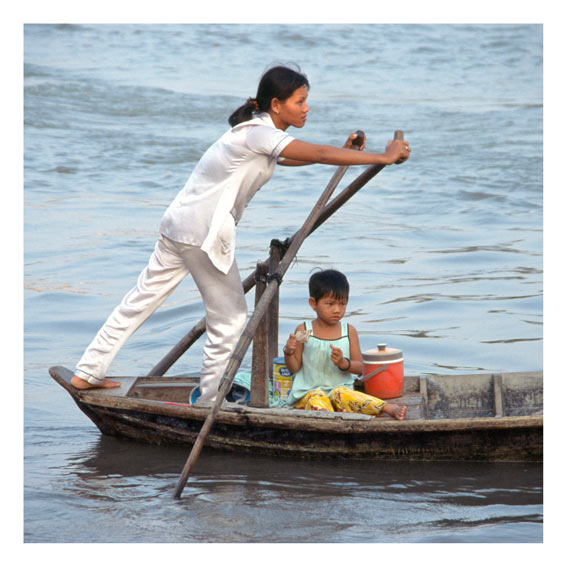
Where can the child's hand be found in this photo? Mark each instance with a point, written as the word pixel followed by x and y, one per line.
pixel 336 355
pixel 290 345
pixel 302 336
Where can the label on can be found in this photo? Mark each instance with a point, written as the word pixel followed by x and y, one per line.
pixel 283 379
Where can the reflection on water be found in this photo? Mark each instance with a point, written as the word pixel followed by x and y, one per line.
pixel 230 498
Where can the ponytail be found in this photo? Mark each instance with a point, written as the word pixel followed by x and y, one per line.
pixel 244 112
pixel 278 82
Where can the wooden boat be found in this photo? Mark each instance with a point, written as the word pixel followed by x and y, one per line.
pixel 488 417
pixel 472 417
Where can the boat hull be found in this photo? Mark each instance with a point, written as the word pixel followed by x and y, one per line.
pixel 515 442
pixel 310 435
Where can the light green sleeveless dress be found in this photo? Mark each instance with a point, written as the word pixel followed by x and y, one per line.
pixel 317 371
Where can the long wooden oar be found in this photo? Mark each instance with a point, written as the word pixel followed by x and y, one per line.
pixel 181 347
pixel 248 283
pixel 248 333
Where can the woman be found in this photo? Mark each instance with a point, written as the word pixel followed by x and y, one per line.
pixel 198 228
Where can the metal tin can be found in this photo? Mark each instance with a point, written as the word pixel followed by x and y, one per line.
pixel 283 379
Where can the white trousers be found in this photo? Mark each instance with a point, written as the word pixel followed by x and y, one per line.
pixel 222 295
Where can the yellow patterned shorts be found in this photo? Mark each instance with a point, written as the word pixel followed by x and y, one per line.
pixel 341 399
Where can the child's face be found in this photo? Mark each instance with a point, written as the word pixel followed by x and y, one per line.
pixel 329 309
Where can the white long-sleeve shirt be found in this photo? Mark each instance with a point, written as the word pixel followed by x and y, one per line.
pixel 205 212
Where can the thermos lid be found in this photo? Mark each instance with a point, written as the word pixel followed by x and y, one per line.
pixel 382 353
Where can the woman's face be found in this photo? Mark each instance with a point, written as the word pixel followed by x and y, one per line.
pixel 292 111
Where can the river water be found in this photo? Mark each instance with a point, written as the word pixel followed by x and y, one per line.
pixel 443 253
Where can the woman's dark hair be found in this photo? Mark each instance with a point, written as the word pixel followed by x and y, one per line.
pixel 278 82
pixel 328 282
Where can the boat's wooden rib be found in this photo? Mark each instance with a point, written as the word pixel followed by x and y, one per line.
pixel 478 417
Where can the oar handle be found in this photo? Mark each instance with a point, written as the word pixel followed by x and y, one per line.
pixel 359 138
pixel 399 135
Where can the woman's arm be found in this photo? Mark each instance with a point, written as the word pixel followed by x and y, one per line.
pixel 299 152
pixel 292 162
pixel 348 145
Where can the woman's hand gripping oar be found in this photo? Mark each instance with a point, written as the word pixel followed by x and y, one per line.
pixel 248 333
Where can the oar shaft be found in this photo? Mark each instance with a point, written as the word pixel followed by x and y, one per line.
pixel 248 283
pixel 193 335
pixel 261 307
pixel 225 385
pixel 248 334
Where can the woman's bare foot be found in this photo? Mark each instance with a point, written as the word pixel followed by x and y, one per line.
pixel 396 411
pixel 81 384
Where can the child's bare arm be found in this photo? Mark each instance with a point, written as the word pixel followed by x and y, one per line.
pixel 293 351
pixel 356 366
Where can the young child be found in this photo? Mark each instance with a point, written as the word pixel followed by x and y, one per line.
pixel 324 364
